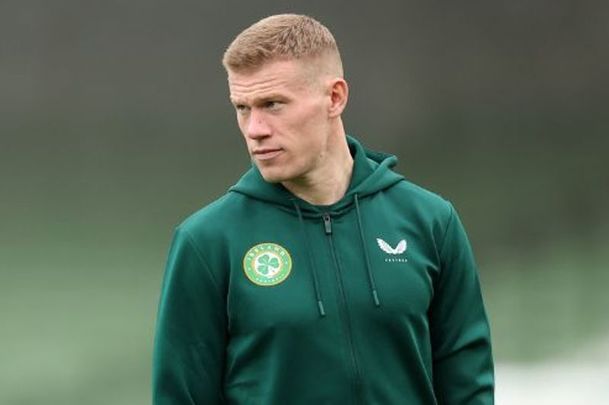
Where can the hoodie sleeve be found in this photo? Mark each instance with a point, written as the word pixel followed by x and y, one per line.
pixel 460 335
pixel 189 346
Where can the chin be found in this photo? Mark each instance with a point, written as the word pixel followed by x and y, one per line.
pixel 273 175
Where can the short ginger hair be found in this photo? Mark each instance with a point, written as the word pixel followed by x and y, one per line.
pixel 281 37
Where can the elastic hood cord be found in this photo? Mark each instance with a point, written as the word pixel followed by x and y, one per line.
pixel 320 304
pixel 368 266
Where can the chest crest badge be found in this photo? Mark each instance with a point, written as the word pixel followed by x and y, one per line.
pixel 267 264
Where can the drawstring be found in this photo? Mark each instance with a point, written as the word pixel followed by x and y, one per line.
pixel 320 304
pixel 368 267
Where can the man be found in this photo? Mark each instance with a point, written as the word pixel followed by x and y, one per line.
pixel 322 276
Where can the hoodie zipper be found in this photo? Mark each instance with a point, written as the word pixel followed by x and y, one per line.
pixel 344 308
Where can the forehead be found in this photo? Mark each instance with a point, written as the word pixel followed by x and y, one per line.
pixel 281 76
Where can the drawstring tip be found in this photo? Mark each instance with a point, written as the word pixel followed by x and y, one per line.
pixel 376 298
pixel 320 305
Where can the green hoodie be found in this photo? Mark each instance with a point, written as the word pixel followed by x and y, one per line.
pixel 270 300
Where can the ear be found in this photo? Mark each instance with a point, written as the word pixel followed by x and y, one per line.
pixel 339 94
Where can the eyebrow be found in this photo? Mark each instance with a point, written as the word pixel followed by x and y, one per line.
pixel 259 100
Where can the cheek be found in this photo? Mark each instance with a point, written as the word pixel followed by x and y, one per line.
pixel 241 123
pixel 308 121
pixel 315 128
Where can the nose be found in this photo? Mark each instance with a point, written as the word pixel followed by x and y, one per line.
pixel 256 126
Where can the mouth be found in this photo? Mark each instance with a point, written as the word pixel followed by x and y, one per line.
pixel 266 153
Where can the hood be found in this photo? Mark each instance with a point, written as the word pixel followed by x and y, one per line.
pixel 371 174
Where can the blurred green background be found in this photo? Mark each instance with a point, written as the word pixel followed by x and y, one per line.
pixel 115 125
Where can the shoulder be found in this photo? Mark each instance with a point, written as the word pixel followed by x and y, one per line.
pixel 207 234
pixel 422 201
pixel 215 218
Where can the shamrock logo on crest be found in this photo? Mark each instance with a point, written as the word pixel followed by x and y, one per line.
pixel 265 263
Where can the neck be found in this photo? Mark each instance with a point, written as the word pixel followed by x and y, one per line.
pixel 330 181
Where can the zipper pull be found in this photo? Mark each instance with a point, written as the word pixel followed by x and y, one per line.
pixel 327 223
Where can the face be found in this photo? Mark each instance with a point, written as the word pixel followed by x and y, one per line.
pixel 283 113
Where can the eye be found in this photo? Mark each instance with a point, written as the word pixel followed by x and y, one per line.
pixel 241 108
pixel 272 105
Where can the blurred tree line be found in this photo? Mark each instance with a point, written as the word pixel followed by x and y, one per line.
pixel 115 121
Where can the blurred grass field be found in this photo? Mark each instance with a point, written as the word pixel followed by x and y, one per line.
pixel 77 325
pixel 82 337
